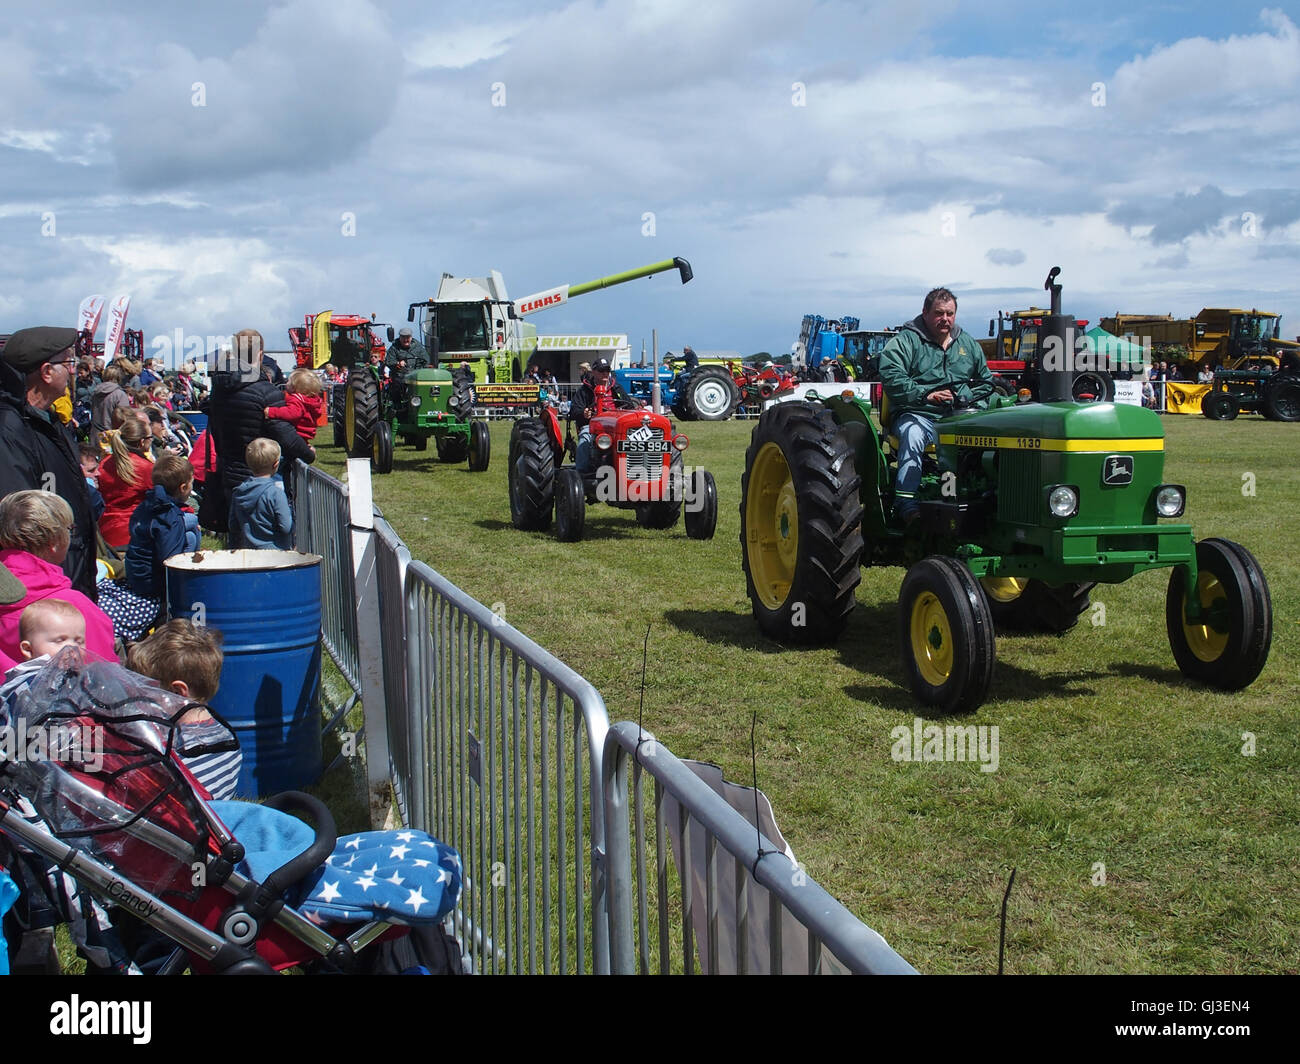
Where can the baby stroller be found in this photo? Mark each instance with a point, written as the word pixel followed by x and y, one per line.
pixel 96 806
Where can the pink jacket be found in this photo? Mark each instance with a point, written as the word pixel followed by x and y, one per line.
pixel 44 580
pixel 301 411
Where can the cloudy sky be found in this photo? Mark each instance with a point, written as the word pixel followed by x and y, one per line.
pixel 241 164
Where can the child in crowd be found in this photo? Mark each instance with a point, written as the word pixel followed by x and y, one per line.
pixel 187 660
pixel 304 401
pixel 124 479
pixel 160 528
pixel 260 517
pixel 90 470
pixel 47 626
pixel 164 441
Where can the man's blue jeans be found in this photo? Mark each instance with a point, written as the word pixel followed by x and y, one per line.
pixel 915 433
pixel 584 459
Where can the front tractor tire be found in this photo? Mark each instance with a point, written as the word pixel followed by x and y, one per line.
pixel 800 524
pixel 1228 646
pixel 570 505
pixel 946 632
pixel 360 412
pixel 531 474
pixel 702 506
pixel 1031 605
pixel 381 449
pixel 480 446
pixel 711 394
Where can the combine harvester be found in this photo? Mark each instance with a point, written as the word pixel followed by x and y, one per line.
pixel 473 320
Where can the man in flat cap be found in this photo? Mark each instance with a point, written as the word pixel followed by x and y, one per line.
pixel 404 355
pixel 39 452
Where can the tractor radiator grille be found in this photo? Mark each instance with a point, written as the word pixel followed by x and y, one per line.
pixel 1019 486
pixel 646 465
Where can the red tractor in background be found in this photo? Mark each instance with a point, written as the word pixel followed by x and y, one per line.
pixel 637 466
pixel 758 384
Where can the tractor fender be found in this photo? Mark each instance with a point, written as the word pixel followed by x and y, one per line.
pixel 552 422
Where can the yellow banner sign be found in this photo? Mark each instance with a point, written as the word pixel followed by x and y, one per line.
pixel 505 394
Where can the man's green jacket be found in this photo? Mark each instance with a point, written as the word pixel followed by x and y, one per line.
pixel 912 366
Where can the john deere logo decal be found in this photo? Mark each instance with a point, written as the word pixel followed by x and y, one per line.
pixel 1118 469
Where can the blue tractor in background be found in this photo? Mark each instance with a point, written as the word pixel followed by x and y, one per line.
pixel 835 349
pixel 706 393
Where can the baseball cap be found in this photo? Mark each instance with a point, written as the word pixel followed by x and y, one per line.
pixel 599 365
pixel 28 349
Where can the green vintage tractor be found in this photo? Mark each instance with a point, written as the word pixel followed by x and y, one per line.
pixel 426 403
pixel 1023 508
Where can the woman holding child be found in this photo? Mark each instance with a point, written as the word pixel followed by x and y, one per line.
pixel 34 541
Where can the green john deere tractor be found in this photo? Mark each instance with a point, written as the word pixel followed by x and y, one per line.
pixel 1022 510
pixel 426 403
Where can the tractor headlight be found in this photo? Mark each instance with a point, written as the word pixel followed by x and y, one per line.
pixel 604 441
pixel 1063 501
pixel 453 402
pixel 681 441
pixel 415 400
pixel 1170 500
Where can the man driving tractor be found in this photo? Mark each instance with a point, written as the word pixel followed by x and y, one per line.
pixel 930 369
pixel 583 408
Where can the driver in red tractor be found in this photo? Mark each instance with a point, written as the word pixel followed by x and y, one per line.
pixel 584 407
pixel 930 369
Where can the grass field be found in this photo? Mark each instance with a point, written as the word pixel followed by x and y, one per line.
pixel 1145 839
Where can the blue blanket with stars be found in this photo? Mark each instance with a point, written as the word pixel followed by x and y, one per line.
pixel 402 877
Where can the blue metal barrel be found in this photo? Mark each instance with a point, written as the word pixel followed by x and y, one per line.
pixel 267 606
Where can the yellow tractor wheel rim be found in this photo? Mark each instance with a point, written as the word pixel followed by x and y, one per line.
pixel 931 639
pixel 1202 640
pixel 772 526
pixel 1004 588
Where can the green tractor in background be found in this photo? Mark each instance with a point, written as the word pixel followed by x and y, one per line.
pixel 1023 509
pixel 427 403
pixel 370 409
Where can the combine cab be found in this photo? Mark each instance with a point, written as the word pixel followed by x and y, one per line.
pixel 638 467
pixel 1022 510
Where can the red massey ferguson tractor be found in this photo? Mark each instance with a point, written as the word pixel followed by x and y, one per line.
pixel 637 466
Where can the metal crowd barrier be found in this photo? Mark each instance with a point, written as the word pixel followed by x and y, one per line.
pixel 321 527
pixel 499 749
pixel 505 748
pixel 753 895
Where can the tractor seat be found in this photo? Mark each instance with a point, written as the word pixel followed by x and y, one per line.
pixel 890 437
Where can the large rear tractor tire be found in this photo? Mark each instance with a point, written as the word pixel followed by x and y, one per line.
pixel 1093 386
pixel 532 475
pixel 480 446
pixel 702 506
pixel 800 524
pixel 381 449
pixel 946 632
pixel 1228 647
pixel 1220 406
pixel 1282 398
pixel 360 412
pixel 338 412
pixel 461 403
pixel 711 394
pixel 570 505
pixel 1031 605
